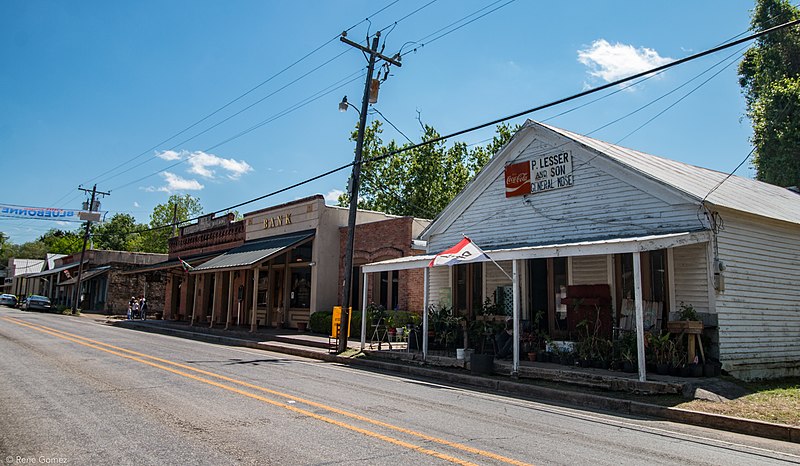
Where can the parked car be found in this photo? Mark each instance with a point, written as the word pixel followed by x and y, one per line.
pixel 8 300
pixel 36 302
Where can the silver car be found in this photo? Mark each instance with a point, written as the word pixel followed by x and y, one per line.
pixel 36 302
pixel 8 300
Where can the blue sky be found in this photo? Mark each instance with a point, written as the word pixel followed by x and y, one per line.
pixel 89 86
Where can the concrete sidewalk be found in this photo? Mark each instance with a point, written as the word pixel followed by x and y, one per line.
pixel 575 385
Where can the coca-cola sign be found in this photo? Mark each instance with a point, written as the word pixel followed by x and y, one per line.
pixel 518 179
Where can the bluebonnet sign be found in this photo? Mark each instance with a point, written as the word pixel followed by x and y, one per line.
pixel 41 213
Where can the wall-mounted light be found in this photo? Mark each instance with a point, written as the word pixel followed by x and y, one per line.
pixel 312 264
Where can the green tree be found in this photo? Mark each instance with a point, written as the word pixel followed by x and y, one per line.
pixel 62 242
pixel 418 182
pixel 156 238
pixel 769 76
pixel 118 234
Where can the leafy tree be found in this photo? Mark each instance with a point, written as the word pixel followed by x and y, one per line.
pixel 418 182
pixel 62 242
pixel 769 76
pixel 118 234
pixel 156 239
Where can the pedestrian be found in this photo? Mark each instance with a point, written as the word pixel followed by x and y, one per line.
pixel 135 309
pixel 130 307
pixel 143 308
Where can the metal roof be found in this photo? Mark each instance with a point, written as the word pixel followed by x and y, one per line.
pixel 56 270
pixel 172 263
pixel 89 274
pixel 578 248
pixel 735 192
pixel 253 251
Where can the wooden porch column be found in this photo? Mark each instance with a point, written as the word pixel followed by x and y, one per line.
pixel 230 299
pixel 637 293
pixel 425 298
pixel 364 312
pixel 194 301
pixel 515 293
pixel 215 300
pixel 253 316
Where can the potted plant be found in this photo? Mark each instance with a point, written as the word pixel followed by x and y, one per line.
pixel 481 336
pixel 660 345
pixel 688 321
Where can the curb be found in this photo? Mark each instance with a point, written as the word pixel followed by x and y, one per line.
pixel 715 421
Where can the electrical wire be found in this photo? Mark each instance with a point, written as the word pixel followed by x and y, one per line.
pixel 296 106
pixel 515 115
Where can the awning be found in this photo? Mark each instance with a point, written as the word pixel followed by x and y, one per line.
pixel 174 263
pixel 582 248
pixel 88 275
pixel 253 252
pixel 55 270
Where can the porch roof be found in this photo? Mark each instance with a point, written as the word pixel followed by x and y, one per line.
pixel 88 275
pixel 173 263
pixel 252 252
pixel 581 248
pixel 55 270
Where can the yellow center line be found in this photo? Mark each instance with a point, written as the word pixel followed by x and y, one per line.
pixel 141 357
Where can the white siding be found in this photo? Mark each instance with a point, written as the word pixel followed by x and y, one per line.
pixel 690 269
pixel 590 270
pixel 599 205
pixel 759 310
pixel 439 284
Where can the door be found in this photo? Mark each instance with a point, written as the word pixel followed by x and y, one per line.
pixel 277 311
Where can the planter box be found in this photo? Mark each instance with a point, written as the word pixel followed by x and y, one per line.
pixel 685 326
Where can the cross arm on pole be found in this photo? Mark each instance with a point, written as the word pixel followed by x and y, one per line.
pixel 393 61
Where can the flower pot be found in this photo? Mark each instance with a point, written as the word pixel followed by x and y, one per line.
pixel 662 369
pixel 301 326
pixel 584 362
pixel 695 370
pixel 629 367
pixel 460 353
pixel 543 356
pixel 481 364
pixel 532 357
pixel 709 369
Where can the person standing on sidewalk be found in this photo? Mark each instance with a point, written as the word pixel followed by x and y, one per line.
pixel 143 308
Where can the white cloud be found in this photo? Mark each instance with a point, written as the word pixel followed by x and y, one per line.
pixel 136 204
pixel 175 183
pixel 169 155
pixel 203 164
pixel 612 62
pixel 333 196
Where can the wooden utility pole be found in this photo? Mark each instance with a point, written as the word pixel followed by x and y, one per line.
pixel 76 293
pixel 354 179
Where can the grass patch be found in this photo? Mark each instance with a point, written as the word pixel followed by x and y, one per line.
pixel 776 401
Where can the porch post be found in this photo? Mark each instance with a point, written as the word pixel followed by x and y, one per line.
pixel 515 313
pixel 215 300
pixel 364 311
pixel 230 300
pixel 194 300
pixel 425 314
pixel 253 317
pixel 637 293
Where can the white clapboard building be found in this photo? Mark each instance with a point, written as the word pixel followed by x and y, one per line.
pixel 555 210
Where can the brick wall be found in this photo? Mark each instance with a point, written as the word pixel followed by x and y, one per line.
pixel 387 239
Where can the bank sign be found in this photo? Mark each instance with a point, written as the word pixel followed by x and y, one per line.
pixel 542 173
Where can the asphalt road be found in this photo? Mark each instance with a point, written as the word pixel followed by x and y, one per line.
pixel 76 391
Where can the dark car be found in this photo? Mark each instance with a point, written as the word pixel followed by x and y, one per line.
pixel 36 302
pixel 8 300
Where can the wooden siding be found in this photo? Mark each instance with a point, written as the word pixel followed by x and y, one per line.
pixel 690 271
pixel 759 310
pixel 599 205
pixel 439 284
pixel 589 270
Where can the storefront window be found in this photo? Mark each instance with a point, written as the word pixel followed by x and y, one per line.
pixel 388 290
pixel 468 284
pixel 301 288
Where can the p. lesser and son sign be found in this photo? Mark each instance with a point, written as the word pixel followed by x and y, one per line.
pixel 542 173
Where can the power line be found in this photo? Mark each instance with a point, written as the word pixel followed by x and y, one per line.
pixel 338 85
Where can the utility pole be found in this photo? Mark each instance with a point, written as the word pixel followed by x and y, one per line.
pixel 354 178
pixel 77 291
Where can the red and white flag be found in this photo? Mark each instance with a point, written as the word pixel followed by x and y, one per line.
pixel 185 265
pixel 464 251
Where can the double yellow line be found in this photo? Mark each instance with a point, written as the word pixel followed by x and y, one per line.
pixel 189 372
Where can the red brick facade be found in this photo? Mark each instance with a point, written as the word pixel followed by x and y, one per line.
pixel 377 241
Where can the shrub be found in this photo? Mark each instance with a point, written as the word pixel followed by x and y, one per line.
pixel 321 322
